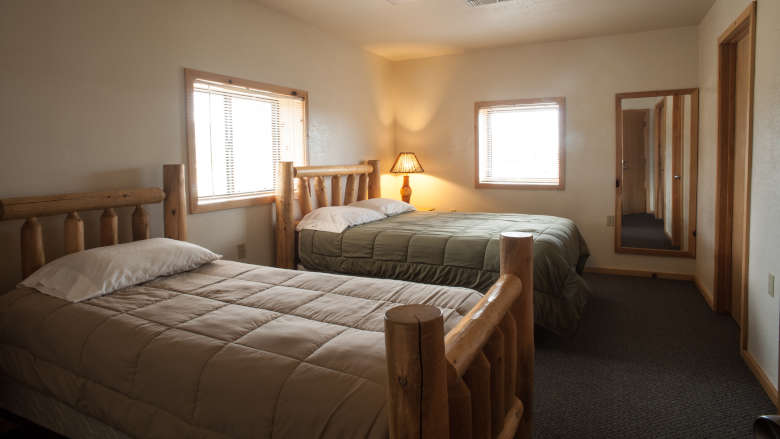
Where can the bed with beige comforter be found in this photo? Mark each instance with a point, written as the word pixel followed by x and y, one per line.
pixel 227 350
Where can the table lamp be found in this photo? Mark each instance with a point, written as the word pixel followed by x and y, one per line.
pixel 406 163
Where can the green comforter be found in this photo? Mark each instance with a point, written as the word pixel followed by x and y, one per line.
pixel 460 249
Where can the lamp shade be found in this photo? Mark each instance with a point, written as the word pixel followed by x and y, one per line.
pixel 406 163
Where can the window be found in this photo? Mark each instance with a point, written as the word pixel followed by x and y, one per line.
pixel 238 131
pixel 520 144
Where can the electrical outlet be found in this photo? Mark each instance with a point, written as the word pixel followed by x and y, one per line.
pixel 771 289
pixel 241 251
pixel 610 220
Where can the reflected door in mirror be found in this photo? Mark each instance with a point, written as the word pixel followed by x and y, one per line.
pixel 635 169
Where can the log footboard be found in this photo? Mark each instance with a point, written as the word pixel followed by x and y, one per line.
pixel 477 381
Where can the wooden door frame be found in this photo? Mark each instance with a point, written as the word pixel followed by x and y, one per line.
pixel 678 159
pixel 690 252
pixel 659 129
pixel 743 27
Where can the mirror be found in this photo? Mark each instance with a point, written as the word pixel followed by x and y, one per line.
pixel 657 146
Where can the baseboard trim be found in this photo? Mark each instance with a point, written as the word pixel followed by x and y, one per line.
pixel 708 297
pixel 754 367
pixel 639 273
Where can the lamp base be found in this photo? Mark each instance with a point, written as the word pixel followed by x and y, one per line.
pixel 406 190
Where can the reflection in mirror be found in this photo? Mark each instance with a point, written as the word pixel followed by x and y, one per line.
pixel 657 150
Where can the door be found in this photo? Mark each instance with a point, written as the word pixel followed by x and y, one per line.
pixel 634 161
pixel 741 138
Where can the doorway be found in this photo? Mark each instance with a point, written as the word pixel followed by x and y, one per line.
pixel 736 59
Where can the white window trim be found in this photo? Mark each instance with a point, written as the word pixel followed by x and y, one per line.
pixel 209 204
pixel 561 101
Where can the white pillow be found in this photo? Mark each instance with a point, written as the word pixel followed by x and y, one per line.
pixel 337 218
pixel 94 272
pixel 385 206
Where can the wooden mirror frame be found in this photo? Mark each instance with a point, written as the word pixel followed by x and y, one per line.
pixel 690 251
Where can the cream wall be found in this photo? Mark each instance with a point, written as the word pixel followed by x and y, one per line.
pixel 765 212
pixel 93 98
pixel 434 105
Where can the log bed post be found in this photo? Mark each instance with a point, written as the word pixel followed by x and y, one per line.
pixel 362 190
pixel 141 228
pixel 74 233
pixel 319 191
pixel 480 385
pixel 335 190
pixel 305 195
pixel 109 228
pixel 285 230
pixel 477 378
pixel 33 255
pixel 416 372
pixel 349 192
pixel 517 257
pixel 175 205
pixel 374 180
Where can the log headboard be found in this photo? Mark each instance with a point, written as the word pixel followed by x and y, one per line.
pixel 173 194
pixel 368 186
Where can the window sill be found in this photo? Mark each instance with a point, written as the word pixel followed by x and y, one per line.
pixel 541 187
pixel 198 206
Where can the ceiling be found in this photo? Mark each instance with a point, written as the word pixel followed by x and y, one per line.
pixel 423 28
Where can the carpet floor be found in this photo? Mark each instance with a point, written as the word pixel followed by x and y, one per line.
pixel 650 360
pixel 642 230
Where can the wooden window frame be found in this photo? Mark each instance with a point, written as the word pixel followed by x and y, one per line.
pixel 561 101
pixel 244 200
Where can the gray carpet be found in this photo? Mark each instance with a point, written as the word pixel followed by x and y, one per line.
pixel 642 230
pixel 650 360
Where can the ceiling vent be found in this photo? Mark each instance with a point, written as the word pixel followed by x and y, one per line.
pixel 477 3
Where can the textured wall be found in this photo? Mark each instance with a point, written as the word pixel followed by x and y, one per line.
pixel 435 97
pixel 765 194
pixel 93 99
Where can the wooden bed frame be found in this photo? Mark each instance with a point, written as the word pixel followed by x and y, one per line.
pixel 368 186
pixel 173 194
pixel 475 382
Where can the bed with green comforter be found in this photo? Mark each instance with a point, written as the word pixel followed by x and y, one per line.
pixel 460 249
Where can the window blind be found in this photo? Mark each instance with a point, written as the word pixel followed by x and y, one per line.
pixel 519 144
pixel 241 135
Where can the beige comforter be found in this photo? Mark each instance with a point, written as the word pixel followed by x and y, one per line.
pixel 228 350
